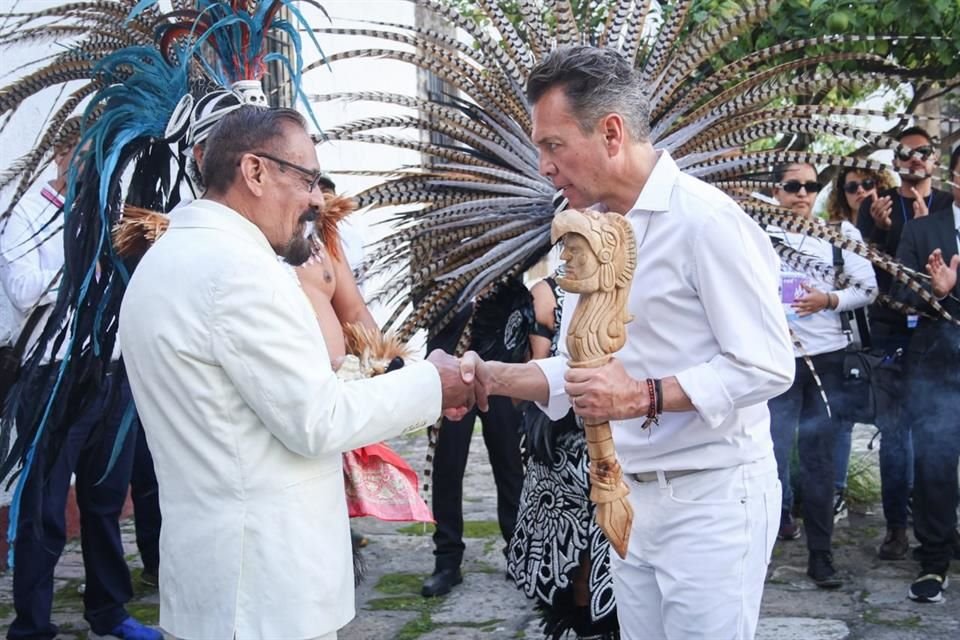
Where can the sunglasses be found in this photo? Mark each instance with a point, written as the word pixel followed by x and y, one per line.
pixel 313 177
pixel 924 152
pixel 794 186
pixel 852 186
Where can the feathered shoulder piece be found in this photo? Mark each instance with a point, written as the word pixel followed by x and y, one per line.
pixel 139 228
pixel 377 352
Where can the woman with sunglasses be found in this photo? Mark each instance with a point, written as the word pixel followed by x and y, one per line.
pixel 813 309
pixel 851 188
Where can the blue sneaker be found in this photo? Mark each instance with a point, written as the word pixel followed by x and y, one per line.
pixel 129 629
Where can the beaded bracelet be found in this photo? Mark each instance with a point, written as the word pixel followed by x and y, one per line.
pixel 653 415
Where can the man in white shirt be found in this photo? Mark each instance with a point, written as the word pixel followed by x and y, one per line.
pixel 31 243
pixel 707 324
pixel 242 410
pixel 800 415
pixel 933 390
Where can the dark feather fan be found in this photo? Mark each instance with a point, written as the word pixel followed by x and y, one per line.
pixel 477 212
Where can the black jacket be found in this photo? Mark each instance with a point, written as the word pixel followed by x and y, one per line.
pixel 920 238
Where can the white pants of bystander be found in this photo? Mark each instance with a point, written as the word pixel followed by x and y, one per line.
pixel 698 554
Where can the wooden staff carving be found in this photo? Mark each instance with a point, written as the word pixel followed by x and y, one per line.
pixel 600 254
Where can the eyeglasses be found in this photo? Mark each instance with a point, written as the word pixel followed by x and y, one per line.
pixel 794 186
pixel 852 186
pixel 924 152
pixel 313 177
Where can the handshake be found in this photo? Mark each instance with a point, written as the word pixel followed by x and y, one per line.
pixel 466 381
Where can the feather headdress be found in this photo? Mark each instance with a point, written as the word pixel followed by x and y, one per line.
pixel 476 211
pixel 142 69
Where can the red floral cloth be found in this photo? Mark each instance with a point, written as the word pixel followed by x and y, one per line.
pixel 380 484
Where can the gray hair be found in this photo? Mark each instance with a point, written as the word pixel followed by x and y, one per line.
pixel 249 128
pixel 596 81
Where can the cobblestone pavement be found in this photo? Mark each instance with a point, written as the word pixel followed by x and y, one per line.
pixel 872 604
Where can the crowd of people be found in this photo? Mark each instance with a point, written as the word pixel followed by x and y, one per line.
pixel 233 374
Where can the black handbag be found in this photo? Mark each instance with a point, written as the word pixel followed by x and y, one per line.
pixel 861 363
pixel 12 356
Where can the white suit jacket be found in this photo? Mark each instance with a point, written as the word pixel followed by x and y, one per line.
pixel 247 421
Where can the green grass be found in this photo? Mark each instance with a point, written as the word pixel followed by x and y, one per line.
pixel 67 596
pixel 471 529
pixel 480 529
pixel 6 611
pixel 863 482
pixel 400 583
pixel 395 603
pixel 146 612
pixel 402 591
pixel 417 627
pixel 874 616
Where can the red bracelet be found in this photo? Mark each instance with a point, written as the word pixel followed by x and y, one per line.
pixel 652 415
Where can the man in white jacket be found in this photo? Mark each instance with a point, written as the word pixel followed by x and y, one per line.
pixel 242 411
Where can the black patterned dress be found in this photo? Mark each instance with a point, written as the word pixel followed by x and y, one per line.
pixel 556 530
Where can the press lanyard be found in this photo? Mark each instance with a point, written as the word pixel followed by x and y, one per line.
pixel 903 205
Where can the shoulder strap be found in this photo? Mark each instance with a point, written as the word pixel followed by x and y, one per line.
pixel 21 344
pixel 837 270
pixel 859 314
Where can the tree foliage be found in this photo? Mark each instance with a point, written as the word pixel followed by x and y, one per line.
pixel 937 22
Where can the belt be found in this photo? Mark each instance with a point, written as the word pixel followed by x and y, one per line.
pixel 651 476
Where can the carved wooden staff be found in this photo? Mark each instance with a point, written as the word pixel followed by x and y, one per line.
pixel 600 255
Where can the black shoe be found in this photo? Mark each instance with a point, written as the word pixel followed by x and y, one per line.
pixel 821 571
pixel 895 544
pixel 928 587
pixel 441 582
pixel 788 528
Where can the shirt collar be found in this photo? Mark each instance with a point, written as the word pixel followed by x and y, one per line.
pixel 207 214
pixel 655 195
pixel 956 216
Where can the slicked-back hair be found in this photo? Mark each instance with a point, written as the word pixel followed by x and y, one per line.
pixel 915 131
pixel 597 82
pixel 247 129
pixel 954 159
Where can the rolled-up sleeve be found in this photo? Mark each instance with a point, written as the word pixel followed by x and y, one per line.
pixel 736 279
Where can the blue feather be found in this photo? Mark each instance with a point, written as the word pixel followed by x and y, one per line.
pixel 118 442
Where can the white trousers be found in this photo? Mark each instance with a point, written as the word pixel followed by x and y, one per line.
pixel 698 554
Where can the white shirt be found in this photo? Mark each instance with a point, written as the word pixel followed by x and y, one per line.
pixel 822 332
pixel 31 246
pixel 956 224
pixel 706 310
pixel 247 422
pixel 9 320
